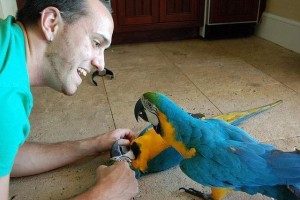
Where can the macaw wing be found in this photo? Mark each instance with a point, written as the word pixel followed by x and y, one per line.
pixel 205 171
pixel 229 164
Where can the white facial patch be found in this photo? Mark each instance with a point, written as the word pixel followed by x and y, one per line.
pixel 152 118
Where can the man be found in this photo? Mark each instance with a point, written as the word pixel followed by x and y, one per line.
pixel 54 43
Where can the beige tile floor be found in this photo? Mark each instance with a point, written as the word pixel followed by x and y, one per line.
pixel 211 77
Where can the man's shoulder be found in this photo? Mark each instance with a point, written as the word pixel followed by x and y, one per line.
pixel 12 45
pixel 6 24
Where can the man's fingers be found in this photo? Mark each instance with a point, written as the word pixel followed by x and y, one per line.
pixel 123 142
pixel 128 134
pixel 102 167
pixel 122 164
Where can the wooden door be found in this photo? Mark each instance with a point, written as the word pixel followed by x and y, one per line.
pixel 179 10
pixel 230 11
pixel 135 12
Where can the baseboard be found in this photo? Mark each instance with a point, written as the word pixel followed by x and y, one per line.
pixel 282 31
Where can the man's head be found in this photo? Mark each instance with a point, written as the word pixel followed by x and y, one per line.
pixel 72 10
pixel 74 33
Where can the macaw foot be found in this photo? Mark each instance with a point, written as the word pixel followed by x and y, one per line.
pixel 198 193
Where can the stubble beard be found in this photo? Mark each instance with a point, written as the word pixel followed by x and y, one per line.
pixel 55 79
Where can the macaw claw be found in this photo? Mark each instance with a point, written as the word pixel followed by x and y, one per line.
pixel 197 193
pixel 297 150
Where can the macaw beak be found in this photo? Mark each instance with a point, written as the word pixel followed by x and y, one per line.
pixel 139 110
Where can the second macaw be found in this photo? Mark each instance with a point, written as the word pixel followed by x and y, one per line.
pixel 220 155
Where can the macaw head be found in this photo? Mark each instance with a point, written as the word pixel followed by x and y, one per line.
pixel 157 109
pixel 168 119
pixel 147 107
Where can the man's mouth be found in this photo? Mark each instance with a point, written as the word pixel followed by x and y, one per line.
pixel 81 71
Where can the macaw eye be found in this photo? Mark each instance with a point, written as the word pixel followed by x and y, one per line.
pixel 149 105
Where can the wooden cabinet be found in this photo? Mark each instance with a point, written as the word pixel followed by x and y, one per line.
pixel 152 20
pixel 138 20
pixel 179 10
pixel 131 12
pixel 233 11
pixel 230 18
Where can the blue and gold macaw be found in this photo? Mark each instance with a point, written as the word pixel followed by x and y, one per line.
pixel 151 158
pixel 219 155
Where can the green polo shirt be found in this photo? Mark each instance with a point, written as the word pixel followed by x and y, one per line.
pixel 15 97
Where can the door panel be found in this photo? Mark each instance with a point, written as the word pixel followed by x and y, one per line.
pixel 179 10
pixel 133 12
pixel 226 11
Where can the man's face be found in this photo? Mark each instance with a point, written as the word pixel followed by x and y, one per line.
pixel 78 48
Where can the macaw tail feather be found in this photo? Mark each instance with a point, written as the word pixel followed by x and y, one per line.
pixel 236 118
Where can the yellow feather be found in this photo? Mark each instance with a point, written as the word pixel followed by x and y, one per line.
pixel 170 138
pixel 150 144
pixel 219 193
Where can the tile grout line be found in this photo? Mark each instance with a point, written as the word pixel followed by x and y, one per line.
pixel 111 113
pixel 273 78
pixel 190 80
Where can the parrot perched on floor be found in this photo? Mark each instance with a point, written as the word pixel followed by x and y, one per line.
pixel 219 155
pixel 151 158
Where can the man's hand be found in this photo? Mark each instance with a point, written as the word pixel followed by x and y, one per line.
pixel 118 180
pixel 105 141
pixel 115 182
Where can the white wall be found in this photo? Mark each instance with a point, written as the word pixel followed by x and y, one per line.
pixel 280 30
pixel 7 7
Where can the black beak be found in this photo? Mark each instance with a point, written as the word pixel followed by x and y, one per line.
pixel 139 110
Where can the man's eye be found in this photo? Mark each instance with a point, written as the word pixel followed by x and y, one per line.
pixel 97 43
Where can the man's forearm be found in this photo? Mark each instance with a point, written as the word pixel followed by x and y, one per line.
pixel 35 158
pixel 4 183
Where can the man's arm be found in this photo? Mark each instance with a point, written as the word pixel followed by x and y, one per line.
pixel 4 183
pixel 34 158
pixel 114 182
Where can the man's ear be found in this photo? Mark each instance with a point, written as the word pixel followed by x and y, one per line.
pixel 50 21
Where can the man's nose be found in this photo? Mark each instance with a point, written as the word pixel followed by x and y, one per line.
pixel 98 62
